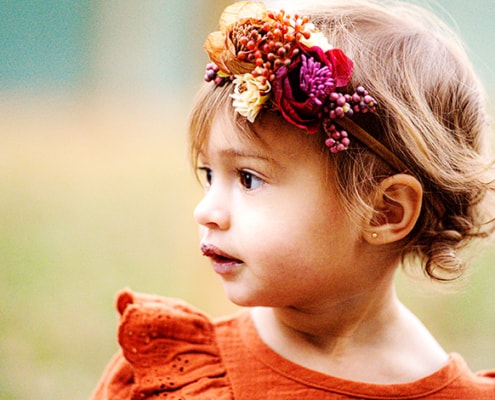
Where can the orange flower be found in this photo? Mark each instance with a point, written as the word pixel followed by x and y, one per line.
pixel 224 46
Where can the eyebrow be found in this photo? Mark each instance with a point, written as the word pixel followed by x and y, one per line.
pixel 234 153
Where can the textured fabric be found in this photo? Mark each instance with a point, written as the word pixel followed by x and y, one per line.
pixel 167 348
pixel 170 350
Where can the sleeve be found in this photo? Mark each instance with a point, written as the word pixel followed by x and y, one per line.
pixel 167 349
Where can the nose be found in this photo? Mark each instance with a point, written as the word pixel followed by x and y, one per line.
pixel 212 211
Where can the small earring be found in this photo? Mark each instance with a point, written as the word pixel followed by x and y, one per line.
pixel 374 235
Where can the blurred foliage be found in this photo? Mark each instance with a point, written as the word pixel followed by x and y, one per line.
pixel 87 208
pixel 97 193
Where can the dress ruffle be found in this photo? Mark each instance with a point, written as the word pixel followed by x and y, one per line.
pixel 170 351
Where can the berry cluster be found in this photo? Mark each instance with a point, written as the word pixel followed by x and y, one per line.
pixel 212 75
pixel 275 46
pixel 338 139
pixel 345 105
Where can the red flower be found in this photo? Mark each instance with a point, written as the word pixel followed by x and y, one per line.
pixel 302 89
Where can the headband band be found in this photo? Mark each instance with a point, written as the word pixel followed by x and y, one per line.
pixel 374 145
pixel 282 62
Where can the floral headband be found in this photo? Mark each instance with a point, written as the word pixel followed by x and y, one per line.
pixel 283 62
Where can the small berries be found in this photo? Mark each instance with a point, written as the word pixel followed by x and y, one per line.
pixel 338 140
pixel 341 101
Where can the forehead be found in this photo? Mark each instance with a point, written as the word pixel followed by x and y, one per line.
pixel 213 117
pixel 269 138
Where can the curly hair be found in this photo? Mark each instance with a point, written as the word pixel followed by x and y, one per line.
pixel 431 115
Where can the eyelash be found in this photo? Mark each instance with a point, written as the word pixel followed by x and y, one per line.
pixel 245 177
pixel 206 174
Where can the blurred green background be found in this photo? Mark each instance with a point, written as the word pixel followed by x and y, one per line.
pixel 96 193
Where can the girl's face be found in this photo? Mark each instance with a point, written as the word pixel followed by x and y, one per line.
pixel 271 223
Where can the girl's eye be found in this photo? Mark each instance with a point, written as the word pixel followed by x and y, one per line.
pixel 206 176
pixel 249 180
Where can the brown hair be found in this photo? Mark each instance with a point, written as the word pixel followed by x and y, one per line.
pixel 431 116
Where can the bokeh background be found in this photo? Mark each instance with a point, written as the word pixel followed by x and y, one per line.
pixel 96 193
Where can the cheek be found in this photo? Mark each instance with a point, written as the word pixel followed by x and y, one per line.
pixel 288 236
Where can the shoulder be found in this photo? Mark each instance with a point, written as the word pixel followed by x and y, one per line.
pixel 166 346
pixel 146 318
pixel 467 384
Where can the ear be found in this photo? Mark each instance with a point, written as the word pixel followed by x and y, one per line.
pixel 397 205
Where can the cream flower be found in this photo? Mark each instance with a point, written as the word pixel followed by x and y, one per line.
pixel 250 94
pixel 317 38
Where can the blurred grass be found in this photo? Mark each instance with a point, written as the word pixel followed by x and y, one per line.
pixel 97 195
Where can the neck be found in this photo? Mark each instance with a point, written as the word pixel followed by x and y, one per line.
pixel 343 339
pixel 332 326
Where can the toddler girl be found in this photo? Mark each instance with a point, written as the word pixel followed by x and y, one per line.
pixel 335 143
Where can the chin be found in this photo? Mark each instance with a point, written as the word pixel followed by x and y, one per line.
pixel 240 297
pixel 242 301
pixel 251 293
pixel 243 298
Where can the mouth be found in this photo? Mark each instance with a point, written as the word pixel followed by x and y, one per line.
pixel 222 262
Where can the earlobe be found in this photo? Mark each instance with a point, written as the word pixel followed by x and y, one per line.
pixel 397 205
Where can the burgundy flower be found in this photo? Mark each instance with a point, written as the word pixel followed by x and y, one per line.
pixel 302 89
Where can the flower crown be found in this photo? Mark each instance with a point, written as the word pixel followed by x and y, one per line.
pixel 280 61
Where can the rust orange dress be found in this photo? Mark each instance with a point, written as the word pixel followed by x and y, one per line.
pixel 169 350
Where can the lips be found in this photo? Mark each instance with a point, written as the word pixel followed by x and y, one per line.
pixel 223 263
